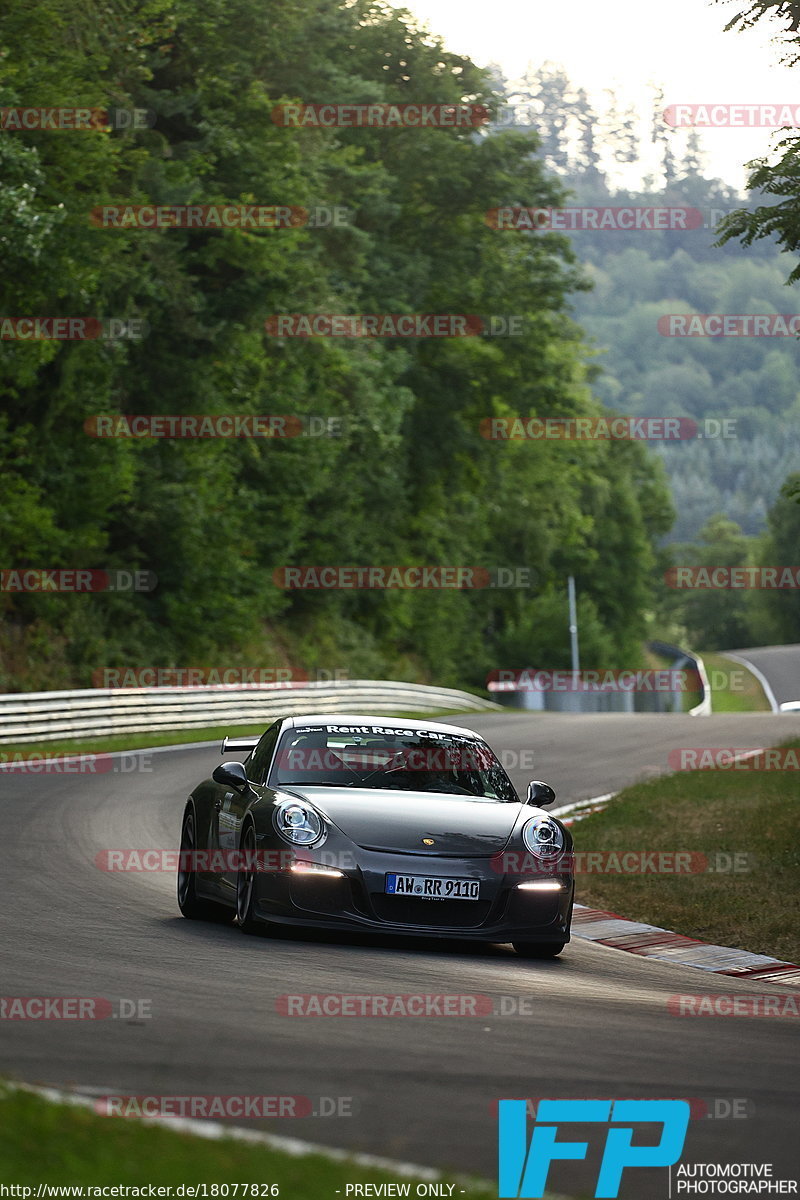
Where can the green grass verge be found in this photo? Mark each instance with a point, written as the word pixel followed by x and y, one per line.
pixel 733 687
pixel 716 811
pixel 43 1142
pixel 178 737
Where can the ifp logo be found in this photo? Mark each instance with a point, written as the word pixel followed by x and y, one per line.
pixel 523 1170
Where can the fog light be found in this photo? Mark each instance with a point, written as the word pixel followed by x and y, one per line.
pixel 541 885
pixel 309 868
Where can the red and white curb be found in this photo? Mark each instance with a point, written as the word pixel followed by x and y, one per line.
pixel 567 814
pixel 650 941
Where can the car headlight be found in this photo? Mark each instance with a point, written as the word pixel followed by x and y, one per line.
pixel 298 822
pixel 542 836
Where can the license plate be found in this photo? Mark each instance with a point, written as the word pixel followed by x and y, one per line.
pixel 425 887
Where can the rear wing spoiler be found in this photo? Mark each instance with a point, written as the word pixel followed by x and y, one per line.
pixel 241 743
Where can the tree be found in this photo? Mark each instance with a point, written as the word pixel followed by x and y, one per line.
pixel 715 618
pixel 587 161
pixel 549 91
pixel 620 130
pixel 660 135
pixel 782 177
pixel 755 10
pixel 409 479
pixel 692 161
pixel 777 611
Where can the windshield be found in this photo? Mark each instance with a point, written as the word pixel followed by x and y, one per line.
pixel 382 757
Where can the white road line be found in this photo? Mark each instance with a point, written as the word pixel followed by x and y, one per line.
pixel 578 804
pixel 768 692
pixel 216 1131
pixel 601 801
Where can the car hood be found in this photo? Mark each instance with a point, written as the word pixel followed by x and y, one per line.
pixel 397 821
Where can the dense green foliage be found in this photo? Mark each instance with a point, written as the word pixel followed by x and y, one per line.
pixel 642 275
pixel 753 383
pixel 410 480
pixel 719 619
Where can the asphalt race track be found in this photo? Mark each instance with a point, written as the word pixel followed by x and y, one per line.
pixel 781 667
pixel 422 1089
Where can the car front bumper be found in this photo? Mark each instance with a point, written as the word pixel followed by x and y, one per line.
pixel 357 901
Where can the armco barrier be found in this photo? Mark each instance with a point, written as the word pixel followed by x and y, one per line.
pixel 101 712
pixel 684 658
pixel 619 701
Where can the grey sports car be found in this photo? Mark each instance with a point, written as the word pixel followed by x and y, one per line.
pixel 380 825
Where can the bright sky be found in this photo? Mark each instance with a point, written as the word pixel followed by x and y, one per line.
pixel 627 45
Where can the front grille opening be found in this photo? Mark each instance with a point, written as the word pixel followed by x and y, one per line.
pixel 452 914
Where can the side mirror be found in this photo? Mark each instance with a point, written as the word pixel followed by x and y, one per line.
pixel 231 774
pixel 540 794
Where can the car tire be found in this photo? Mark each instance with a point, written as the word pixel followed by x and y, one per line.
pixel 192 907
pixel 538 949
pixel 246 883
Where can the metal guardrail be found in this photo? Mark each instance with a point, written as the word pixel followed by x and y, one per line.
pixel 683 658
pixel 101 712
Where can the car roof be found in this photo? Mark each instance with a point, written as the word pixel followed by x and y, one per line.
pixel 371 719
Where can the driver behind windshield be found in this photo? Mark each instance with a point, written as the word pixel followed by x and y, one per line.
pixel 453 766
pixel 306 758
